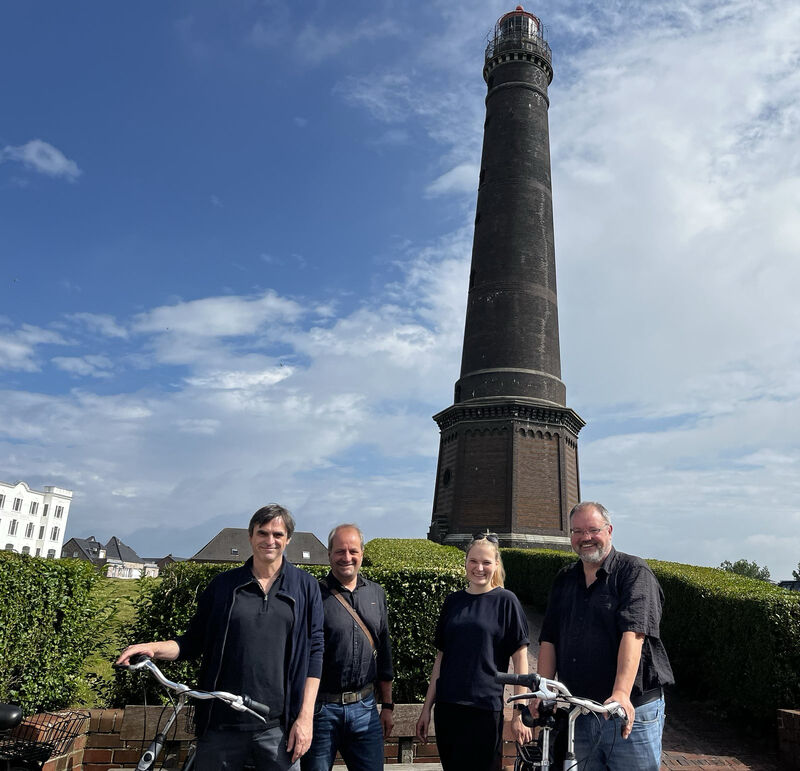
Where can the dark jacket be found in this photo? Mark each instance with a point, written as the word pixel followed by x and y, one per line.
pixel 208 628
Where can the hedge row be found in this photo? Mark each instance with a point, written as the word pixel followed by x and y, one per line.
pixel 414 596
pixel 412 553
pixel 730 639
pixel 49 622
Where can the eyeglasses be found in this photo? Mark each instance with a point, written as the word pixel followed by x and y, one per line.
pixel 490 537
pixel 591 531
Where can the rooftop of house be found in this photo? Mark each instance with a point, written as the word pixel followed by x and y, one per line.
pixel 232 544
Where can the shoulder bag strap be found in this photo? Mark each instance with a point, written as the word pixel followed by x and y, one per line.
pixel 338 595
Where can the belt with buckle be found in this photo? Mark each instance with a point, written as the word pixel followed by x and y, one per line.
pixel 648 696
pixel 348 697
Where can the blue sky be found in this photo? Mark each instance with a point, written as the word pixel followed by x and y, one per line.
pixel 235 239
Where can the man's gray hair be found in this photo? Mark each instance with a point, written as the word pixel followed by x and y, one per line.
pixel 598 507
pixel 345 526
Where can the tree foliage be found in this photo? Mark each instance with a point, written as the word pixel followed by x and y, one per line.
pixel 744 568
pixel 50 621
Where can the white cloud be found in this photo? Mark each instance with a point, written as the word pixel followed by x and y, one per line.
pixel 18 346
pixel 43 158
pixel 318 43
pixel 219 316
pixel 101 323
pixel 86 366
pixel 460 179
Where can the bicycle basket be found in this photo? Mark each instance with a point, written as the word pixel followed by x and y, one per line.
pixel 38 737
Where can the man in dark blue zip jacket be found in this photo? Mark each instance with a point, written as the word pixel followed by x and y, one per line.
pixel 258 630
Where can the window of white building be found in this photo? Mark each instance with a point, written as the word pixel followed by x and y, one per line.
pixel 9 547
pixel 46 507
pixel 12 527
pixel 26 549
pixel 2 501
pixel 59 511
pixel 51 553
pixel 41 532
pixel 54 534
pixel 17 504
pixel 29 530
pixel 34 507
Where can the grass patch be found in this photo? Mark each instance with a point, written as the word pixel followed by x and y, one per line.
pixel 97 671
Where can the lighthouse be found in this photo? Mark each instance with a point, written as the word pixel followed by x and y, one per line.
pixel 508 448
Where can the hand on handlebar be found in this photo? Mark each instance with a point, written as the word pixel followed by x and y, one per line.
pixel 140 649
pixel 624 702
pixel 167 650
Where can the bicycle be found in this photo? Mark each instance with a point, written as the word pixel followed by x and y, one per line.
pixel 26 744
pixel 554 696
pixel 240 703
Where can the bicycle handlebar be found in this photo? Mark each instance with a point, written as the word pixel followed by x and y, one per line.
pixel 509 678
pixel 240 703
pixel 544 688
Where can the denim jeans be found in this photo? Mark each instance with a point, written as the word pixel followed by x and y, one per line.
pixel 354 730
pixel 641 751
pixel 223 750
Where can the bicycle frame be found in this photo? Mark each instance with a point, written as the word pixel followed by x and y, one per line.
pixel 558 693
pixel 185 692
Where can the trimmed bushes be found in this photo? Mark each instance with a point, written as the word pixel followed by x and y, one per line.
pixel 412 553
pixel 530 573
pixel 415 596
pixel 731 639
pixel 49 622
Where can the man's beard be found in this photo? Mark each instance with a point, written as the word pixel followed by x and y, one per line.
pixel 592 556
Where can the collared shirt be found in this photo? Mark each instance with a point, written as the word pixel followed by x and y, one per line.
pixel 259 629
pixel 585 624
pixel 348 663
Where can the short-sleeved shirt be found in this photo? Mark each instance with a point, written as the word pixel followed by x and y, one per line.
pixel 477 634
pixel 585 624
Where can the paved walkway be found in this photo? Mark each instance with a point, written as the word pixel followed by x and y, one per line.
pixel 694 737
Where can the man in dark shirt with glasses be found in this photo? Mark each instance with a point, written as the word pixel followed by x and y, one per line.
pixel 601 635
pixel 357 660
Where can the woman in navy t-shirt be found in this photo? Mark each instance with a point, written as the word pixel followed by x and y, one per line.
pixel 480 628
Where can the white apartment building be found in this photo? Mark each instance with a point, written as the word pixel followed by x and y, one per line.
pixel 33 522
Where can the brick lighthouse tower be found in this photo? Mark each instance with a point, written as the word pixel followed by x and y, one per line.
pixel 508 451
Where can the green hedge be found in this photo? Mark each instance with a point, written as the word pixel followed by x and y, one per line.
pixel 414 596
pixel 50 621
pixel 730 639
pixel 412 553
pixel 530 572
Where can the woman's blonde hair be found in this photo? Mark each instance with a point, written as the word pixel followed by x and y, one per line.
pixel 482 539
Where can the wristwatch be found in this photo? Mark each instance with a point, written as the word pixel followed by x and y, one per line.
pixel 387 705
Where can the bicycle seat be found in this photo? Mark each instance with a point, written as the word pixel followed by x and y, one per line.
pixel 10 716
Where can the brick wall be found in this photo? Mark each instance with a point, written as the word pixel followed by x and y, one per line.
pixel 116 739
pixel 789 738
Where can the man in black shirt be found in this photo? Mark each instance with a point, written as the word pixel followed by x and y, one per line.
pixel 358 657
pixel 257 631
pixel 601 635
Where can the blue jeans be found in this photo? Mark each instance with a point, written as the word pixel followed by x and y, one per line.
pixel 641 751
pixel 354 730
